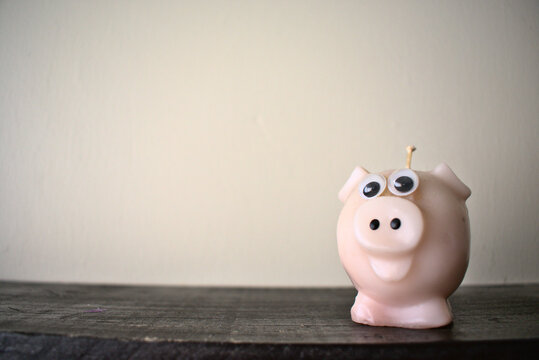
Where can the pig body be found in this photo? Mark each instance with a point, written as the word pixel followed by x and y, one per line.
pixel 405 250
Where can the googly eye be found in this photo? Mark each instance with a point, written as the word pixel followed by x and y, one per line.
pixel 372 186
pixel 403 182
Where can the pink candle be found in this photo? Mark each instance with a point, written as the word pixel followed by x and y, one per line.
pixel 404 239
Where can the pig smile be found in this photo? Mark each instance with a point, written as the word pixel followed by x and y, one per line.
pixel 388 229
pixel 391 269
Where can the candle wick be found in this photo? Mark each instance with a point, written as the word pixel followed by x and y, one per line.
pixel 409 149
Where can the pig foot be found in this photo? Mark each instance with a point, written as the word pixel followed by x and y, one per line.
pixel 361 310
pixel 429 314
pixel 432 313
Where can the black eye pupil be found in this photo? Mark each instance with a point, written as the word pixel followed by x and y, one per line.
pixel 404 184
pixel 371 189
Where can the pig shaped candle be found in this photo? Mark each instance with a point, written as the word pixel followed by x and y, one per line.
pixel 404 240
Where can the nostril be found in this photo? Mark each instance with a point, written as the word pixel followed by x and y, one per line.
pixel 375 224
pixel 395 223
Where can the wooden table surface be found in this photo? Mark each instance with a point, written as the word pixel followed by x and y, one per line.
pixel 90 321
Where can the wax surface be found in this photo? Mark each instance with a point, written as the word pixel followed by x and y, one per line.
pixel 406 247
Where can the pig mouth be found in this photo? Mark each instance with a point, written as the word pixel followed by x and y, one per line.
pixel 391 269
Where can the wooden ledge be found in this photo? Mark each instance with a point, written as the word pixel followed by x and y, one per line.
pixel 71 321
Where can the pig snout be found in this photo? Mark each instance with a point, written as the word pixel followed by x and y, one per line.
pixel 388 225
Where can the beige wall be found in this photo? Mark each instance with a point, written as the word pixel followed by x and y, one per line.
pixel 204 142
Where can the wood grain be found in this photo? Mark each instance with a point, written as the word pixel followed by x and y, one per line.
pixel 56 320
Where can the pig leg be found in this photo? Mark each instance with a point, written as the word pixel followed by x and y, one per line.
pixel 428 314
pixel 363 310
pixel 431 313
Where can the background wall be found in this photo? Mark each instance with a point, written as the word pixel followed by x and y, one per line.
pixel 204 142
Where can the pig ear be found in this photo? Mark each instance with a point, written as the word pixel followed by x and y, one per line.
pixel 444 173
pixel 352 182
